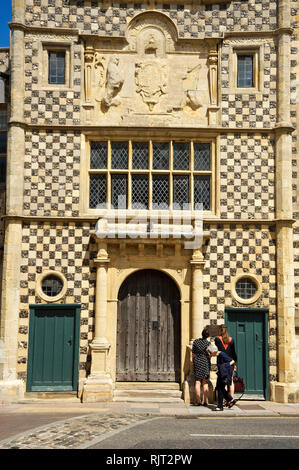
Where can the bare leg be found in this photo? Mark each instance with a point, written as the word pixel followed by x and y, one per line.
pixel 232 389
pixel 197 391
pixel 205 389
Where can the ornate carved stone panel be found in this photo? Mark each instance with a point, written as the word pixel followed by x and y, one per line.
pixel 151 78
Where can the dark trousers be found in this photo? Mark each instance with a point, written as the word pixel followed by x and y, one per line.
pixel 222 393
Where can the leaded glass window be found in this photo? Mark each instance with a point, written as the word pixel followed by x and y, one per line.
pixel 150 175
pixel 160 192
pixel 2 169
pixel 97 191
pixel 119 185
pixel 140 155
pixel 160 155
pixel 56 67
pixel 181 192
pixel 246 288
pixel 3 143
pixel 119 155
pixel 245 71
pixel 98 155
pixel 52 285
pixel 3 118
pixel 181 155
pixel 202 156
pixel 139 191
pixel 201 199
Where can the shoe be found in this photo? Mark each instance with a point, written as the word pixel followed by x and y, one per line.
pixel 232 403
pixel 197 404
pixel 205 404
pixel 218 409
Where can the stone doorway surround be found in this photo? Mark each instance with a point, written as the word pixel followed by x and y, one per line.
pixel 126 256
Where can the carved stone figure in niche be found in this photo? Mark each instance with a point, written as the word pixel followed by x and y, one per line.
pixel 151 81
pixel 151 47
pixel 114 83
pixel 193 94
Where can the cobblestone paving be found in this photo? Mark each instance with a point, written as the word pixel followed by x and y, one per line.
pixel 71 433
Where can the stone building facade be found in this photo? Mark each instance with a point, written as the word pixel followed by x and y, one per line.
pixel 121 114
pixel 4 112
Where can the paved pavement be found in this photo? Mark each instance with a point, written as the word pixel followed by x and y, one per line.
pixel 54 424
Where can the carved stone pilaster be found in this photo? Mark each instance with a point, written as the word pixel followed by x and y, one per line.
pixel 213 86
pixel 213 75
pixel 88 60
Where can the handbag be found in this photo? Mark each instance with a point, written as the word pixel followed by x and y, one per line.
pixel 239 385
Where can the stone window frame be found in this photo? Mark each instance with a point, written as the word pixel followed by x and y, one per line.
pixel 57 47
pixel 253 278
pixel 84 181
pixel 39 289
pixel 246 48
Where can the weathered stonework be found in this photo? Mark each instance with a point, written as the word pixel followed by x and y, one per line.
pixel 154 71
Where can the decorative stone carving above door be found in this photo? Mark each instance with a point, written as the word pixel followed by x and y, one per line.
pixel 151 77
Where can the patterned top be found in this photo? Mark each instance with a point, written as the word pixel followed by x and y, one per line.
pixel 201 361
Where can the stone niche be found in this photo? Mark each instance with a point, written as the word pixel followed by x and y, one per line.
pixel 150 77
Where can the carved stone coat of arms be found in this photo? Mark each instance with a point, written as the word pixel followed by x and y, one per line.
pixel 151 81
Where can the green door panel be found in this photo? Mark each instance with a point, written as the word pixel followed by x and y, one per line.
pixel 248 328
pixel 53 348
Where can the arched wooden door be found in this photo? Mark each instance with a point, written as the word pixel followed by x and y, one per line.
pixel 148 328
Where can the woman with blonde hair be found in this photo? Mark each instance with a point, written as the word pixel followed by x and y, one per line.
pixel 226 344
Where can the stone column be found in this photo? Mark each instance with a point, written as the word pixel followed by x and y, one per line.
pixel 197 265
pixel 197 298
pixel 286 390
pixel 12 389
pixel 99 386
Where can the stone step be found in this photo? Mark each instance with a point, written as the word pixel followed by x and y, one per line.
pixel 147 386
pixel 147 400
pixel 53 397
pixel 150 395
pixel 51 394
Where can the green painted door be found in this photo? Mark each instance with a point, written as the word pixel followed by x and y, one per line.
pixel 53 348
pixel 248 328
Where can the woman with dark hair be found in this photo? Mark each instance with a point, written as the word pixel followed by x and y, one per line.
pixel 201 367
pixel 226 344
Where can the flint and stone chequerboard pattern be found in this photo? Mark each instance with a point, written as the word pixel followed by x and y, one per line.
pixel 47 106
pixel 256 109
pixel 52 173
pixel 192 21
pixel 66 248
pixel 52 161
pixel 247 176
pixel 235 249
